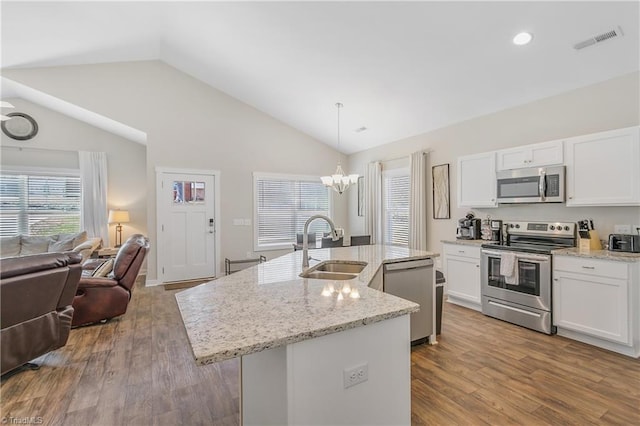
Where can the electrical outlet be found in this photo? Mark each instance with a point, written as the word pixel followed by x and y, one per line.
pixel 355 375
pixel 621 229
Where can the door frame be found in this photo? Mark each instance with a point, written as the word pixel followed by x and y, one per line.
pixel 216 211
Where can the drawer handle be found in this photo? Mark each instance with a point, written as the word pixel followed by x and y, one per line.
pixel 589 267
pixel 461 251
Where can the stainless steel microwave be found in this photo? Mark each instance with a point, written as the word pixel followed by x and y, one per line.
pixel 532 185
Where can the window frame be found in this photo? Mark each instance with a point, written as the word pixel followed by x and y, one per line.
pixel 44 171
pixel 287 177
pixel 395 172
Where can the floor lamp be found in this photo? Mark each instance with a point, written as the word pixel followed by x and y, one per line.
pixel 118 217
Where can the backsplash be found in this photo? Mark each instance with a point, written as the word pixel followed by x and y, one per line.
pixel 604 218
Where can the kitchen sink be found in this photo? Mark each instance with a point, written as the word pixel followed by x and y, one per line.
pixel 344 267
pixel 334 270
pixel 321 275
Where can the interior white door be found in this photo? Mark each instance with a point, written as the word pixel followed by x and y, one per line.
pixel 186 226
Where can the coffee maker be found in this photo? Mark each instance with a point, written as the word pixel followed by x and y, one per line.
pixel 468 228
pixel 496 230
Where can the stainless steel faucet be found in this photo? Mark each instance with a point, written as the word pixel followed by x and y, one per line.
pixel 305 237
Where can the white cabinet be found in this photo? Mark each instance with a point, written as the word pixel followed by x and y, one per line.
pixel 594 301
pixel 462 275
pixel 477 180
pixel 604 168
pixel 535 155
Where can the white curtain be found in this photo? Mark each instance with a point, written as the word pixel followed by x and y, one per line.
pixel 373 201
pixel 418 201
pixel 93 172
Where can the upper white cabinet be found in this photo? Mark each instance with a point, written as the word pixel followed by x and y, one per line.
pixel 535 155
pixel 604 168
pixel 477 180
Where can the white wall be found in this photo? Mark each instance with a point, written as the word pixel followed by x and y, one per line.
pixel 192 125
pixel 57 144
pixel 608 105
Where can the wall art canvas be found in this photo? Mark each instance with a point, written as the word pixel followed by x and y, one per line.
pixel 440 179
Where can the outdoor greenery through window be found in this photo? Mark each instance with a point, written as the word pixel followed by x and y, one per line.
pixel 39 204
pixel 395 201
pixel 283 204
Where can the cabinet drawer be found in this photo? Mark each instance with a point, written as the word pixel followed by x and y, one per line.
pixel 594 267
pixel 462 250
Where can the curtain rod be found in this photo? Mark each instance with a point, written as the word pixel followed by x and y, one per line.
pixel 405 156
pixel 29 148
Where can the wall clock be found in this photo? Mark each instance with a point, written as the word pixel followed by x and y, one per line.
pixel 21 126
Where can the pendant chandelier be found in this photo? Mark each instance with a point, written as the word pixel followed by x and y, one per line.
pixel 339 181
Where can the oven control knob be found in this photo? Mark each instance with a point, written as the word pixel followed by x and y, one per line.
pixel 566 228
pixel 552 227
pixel 511 225
pixel 517 226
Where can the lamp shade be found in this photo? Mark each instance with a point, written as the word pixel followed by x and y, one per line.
pixel 118 216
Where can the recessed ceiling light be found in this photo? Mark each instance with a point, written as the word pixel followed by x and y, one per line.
pixel 522 38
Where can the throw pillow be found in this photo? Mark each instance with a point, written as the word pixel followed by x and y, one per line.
pixel 78 238
pixel 62 245
pixel 35 245
pixel 104 269
pixel 10 246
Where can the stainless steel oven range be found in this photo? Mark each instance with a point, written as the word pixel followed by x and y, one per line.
pixel 516 276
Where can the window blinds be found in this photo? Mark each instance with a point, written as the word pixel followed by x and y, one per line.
pixel 39 204
pixel 396 187
pixel 283 205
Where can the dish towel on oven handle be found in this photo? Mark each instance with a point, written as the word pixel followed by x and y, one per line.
pixel 509 268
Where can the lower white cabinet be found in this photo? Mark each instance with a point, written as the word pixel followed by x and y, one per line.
pixel 462 273
pixel 595 301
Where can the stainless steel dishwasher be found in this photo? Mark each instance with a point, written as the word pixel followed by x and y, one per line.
pixel 414 280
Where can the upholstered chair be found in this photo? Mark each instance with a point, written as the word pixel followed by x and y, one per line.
pixel 36 292
pixel 102 298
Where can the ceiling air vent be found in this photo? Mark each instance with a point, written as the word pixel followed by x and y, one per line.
pixel 616 32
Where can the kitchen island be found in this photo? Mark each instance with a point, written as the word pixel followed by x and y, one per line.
pixel 301 341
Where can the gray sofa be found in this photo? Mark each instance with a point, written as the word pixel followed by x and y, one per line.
pixel 25 245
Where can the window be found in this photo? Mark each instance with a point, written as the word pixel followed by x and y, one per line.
pixel 395 202
pixel 39 203
pixel 283 204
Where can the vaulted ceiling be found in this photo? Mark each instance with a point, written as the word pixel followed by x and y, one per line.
pixel 399 68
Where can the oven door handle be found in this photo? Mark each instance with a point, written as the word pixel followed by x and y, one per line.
pixel 531 257
pixel 542 185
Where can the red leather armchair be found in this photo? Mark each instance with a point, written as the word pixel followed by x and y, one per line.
pixel 104 298
pixel 36 293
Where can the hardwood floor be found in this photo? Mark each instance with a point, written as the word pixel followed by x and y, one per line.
pixel 138 370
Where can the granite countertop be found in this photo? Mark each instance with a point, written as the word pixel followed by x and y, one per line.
pixel 599 254
pixel 269 305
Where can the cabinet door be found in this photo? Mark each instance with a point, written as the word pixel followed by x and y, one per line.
pixel 536 155
pixel 604 168
pixel 462 273
pixel 596 306
pixel 477 180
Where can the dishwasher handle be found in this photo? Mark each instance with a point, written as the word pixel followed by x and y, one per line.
pixel 409 264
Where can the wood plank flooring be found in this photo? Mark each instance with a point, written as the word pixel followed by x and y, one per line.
pixel 139 370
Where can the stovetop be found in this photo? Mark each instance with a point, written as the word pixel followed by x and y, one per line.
pixel 537 237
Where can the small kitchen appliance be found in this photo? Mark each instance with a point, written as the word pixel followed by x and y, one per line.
pixel 468 228
pixel 531 185
pixel 496 230
pixel 624 242
pixel 520 293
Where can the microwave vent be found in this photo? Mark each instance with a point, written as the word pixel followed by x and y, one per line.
pixel 616 32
